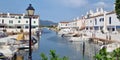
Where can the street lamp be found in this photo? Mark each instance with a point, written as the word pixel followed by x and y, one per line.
pixel 30 13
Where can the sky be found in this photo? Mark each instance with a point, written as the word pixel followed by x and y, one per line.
pixel 56 10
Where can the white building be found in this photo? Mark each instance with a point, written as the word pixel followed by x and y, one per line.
pixel 63 25
pixel 75 24
pixel 106 20
pixel 15 22
pixel 99 20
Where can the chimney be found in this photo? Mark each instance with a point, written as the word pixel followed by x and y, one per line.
pixel 97 10
pixel 91 12
pixel 8 14
pixel 77 18
pixel 87 13
pixel 101 10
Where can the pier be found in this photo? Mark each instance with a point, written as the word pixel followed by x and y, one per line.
pixel 103 40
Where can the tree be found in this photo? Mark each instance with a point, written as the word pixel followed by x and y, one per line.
pixel 117 8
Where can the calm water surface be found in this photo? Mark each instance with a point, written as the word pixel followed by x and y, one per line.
pixel 50 40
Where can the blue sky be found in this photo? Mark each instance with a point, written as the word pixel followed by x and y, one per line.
pixel 56 10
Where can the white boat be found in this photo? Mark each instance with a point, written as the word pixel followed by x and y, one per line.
pixel 65 32
pixel 111 47
pixel 68 35
pixel 75 39
pixel 7 51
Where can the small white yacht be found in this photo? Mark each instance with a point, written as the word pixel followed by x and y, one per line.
pixel 78 38
pixel 63 32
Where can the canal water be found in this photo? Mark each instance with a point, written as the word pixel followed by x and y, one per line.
pixel 49 40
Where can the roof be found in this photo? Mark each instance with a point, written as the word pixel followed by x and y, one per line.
pixel 12 14
pixel 108 13
pixel 112 12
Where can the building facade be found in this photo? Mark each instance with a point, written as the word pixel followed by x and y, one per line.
pixel 99 21
pixel 16 22
pixel 63 25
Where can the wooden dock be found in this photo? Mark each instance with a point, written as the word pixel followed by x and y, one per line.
pixel 103 40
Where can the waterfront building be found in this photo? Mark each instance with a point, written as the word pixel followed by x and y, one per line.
pixel 94 21
pixel 63 25
pixel 99 21
pixel 75 24
pixel 16 22
pixel 105 21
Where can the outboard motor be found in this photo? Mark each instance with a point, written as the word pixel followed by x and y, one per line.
pixel 34 41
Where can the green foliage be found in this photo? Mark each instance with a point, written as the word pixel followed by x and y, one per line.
pixel 104 55
pixel 116 54
pixel 117 8
pixel 44 57
pixel 53 56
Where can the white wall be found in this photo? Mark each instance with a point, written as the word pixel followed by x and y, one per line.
pixel 114 19
pixel 22 21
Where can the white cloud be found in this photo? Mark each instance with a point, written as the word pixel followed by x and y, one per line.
pixel 101 4
pixel 74 3
pixel 105 5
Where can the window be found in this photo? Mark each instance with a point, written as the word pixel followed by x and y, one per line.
pixel 101 19
pixel 86 28
pixel 101 27
pixel 26 21
pixel 96 27
pixel 90 21
pixel 26 27
pixel 95 21
pixel 11 21
pixel 33 26
pixel 34 22
pixel 109 20
pixel 19 17
pixel 88 16
pixel 2 20
pixel 19 21
pixel 113 29
pixel 66 25
pixel 19 27
pixel 75 23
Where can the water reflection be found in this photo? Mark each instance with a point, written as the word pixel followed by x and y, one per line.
pixel 74 50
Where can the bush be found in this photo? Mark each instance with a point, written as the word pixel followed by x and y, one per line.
pixel 53 56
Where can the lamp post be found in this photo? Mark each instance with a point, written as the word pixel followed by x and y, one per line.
pixel 30 13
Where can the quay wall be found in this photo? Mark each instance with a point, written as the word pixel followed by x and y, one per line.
pixel 108 36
